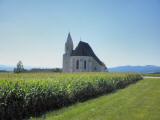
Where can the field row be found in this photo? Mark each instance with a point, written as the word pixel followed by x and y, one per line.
pixel 28 94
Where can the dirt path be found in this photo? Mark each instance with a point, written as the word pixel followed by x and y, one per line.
pixel 150 77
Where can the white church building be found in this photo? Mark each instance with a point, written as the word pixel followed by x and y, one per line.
pixel 81 59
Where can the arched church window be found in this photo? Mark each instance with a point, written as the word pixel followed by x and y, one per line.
pixel 77 64
pixel 85 64
pixel 95 68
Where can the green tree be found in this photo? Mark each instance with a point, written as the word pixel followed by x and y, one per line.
pixel 19 67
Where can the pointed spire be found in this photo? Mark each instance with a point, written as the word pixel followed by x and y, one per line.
pixel 69 44
pixel 69 38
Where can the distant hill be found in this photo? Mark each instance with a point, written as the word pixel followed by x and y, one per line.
pixel 10 67
pixel 6 68
pixel 138 69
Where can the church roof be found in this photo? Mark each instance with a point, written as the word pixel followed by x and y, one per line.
pixel 84 49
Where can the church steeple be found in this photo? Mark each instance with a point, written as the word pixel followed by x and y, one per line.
pixel 69 44
pixel 69 38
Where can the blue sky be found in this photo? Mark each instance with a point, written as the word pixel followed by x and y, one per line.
pixel 121 32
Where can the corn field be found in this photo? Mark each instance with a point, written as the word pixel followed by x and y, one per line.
pixel 31 94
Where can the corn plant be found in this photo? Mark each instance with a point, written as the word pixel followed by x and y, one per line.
pixel 30 94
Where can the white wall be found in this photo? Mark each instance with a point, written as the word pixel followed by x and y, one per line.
pixel 66 63
pixel 81 63
pixel 91 64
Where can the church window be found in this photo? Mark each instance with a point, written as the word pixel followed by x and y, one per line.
pixel 77 64
pixel 85 64
pixel 95 68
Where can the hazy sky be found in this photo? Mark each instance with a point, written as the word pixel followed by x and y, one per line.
pixel 121 32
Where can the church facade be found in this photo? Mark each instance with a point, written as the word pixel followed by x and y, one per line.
pixel 82 59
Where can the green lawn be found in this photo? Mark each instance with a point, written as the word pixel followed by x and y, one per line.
pixel 140 101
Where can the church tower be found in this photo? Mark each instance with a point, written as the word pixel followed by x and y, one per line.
pixel 69 45
pixel 67 54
